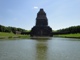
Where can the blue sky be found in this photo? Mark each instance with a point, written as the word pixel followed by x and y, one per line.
pixel 22 13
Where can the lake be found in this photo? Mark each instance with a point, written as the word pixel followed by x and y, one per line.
pixel 40 49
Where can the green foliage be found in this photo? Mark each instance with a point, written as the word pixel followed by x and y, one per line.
pixel 11 29
pixel 70 30
pixel 2 28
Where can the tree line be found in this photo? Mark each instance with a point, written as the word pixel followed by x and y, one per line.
pixel 10 29
pixel 69 30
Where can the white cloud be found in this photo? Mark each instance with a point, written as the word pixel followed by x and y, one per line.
pixel 35 7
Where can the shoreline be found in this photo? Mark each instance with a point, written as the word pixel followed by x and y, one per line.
pixel 14 37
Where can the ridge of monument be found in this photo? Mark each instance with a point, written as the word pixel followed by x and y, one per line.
pixel 41 27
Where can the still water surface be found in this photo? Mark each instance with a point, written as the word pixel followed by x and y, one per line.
pixel 40 49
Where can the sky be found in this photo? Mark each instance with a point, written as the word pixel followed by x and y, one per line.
pixel 23 13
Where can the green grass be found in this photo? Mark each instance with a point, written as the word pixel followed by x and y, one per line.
pixel 4 35
pixel 70 35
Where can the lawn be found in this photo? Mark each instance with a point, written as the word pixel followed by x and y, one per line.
pixel 11 35
pixel 70 35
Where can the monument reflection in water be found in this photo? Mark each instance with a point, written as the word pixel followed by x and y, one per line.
pixel 41 28
pixel 41 49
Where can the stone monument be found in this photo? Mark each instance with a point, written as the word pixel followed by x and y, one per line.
pixel 41 27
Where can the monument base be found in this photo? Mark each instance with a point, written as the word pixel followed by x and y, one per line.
pixel 41 31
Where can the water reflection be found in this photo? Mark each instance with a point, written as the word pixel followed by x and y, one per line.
pixel 41 48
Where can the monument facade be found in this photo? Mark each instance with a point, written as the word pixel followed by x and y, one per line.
pixel 41 27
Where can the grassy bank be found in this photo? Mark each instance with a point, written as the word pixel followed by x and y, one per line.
pixel 70 35
pixel 4 35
